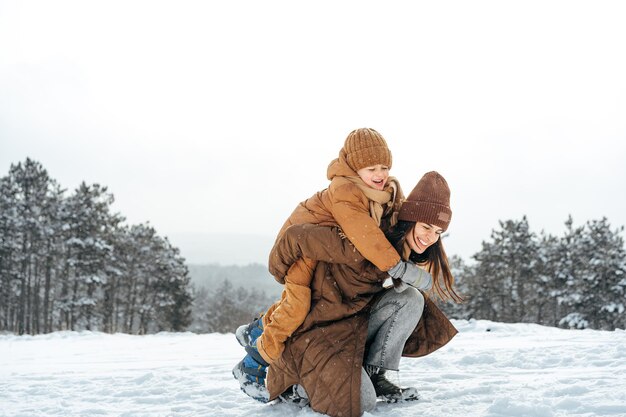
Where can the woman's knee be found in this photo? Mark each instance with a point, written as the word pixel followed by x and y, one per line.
pixel 407 306
pixel 412 300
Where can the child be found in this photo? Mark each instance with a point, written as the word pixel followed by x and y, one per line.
pixel 360 195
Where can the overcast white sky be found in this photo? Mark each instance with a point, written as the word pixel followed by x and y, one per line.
pixel 218 117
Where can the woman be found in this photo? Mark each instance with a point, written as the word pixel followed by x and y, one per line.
pixel 356 329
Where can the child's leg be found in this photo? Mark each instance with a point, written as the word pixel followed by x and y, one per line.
pixel 284 317
pixel 251 376
pixel 267 317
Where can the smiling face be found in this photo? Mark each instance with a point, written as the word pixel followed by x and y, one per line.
pixel 374 176
pixel 422 236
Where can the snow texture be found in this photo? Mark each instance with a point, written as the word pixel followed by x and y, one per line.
pixel 490 369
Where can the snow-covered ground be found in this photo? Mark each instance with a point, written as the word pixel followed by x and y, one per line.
pixel 489 369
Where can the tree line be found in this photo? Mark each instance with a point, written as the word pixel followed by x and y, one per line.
pixel 577 280
pixel 67 262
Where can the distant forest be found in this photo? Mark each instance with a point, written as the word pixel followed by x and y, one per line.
pixel 67 262
pixel 252 276
pixel 228 296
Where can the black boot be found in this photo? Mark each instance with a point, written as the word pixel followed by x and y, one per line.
pixel 295 395
pixel 389 391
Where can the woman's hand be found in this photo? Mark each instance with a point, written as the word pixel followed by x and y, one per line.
pixel 410 274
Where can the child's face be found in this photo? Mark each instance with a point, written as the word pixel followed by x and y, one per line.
pixel 374 176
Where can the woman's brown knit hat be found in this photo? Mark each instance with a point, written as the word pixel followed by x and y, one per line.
pixel 364 148
pixel 429 202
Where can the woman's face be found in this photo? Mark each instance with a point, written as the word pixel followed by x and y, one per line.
pixel 422 236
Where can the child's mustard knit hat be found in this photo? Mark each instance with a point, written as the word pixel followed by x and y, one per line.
pixel 364 148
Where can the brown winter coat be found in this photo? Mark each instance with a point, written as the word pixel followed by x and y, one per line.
pixel 342 204
pixel 325 354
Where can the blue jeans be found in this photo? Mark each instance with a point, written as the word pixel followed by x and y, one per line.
pixel 392 320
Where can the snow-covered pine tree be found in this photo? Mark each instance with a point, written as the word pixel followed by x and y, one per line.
pixel 462 274
pixel 173 293
pixel 506 273
pixel 89 226
pixel 478 290
pixel 31 221
pixel 9 250
pixel 137 278
pixel 51 252
pixel 148 288
pixel 599 272
pixel 69 263
pixel 563 255
pixel 552 273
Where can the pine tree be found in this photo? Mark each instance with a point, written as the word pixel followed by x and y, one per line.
pixel 506 273
pixel 9 250
pixel 597 280
pixel 173 295
pixel 462 274
pixel 31 223
pixel 90 228
pixel 553 276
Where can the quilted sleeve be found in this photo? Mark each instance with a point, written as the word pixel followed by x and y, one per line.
pixel 319 243
pixel 350 210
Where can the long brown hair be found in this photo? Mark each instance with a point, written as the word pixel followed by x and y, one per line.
pixel 435 257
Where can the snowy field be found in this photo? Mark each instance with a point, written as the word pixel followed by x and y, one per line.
pixel 489 369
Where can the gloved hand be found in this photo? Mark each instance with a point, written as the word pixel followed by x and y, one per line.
pixel 399 285
pixel 412 275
